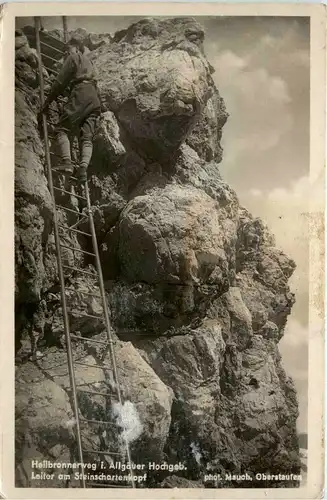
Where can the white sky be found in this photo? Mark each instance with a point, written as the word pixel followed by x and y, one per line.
pixel 262 72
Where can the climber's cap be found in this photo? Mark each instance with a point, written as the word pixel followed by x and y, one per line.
pixel 76 42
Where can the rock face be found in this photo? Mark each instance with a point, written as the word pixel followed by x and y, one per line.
pixel 158 108
pixel 198 292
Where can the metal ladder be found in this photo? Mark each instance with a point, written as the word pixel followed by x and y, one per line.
pixel 92 234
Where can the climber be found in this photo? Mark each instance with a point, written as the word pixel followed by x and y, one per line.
pixel 81 113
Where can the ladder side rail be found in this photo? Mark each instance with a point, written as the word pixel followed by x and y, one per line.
pixel 58 251
pixel 106 314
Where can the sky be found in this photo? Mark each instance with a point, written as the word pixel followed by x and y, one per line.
pixel 264 79
pixel 262 72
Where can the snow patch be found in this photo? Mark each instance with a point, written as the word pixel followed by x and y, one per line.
pixel 196 452
pixel 128 420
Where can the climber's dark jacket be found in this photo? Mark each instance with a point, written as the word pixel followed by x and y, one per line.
pixel 76 76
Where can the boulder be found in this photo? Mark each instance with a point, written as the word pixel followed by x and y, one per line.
pixel 152 400
pixel 175 235
pixel 158 82
pixel 240 317
pixel 143 420
pixel 40 432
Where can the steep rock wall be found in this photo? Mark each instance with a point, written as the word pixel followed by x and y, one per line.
pixel 198 292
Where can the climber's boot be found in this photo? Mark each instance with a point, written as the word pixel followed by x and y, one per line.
pixel 82 195
pixel 81 205
pixel 82 175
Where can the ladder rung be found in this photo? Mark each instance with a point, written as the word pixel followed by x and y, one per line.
pixel 80 221
pixel 88 315
pixel 57 170
pixel 79 270
pixel 51 47
pixel 103 367
pixel 75 195
pixel 85 293
pixel 93 341
pixel 97 393
pixel 50 69
pixel 102 452
pixel 75 230
pixel 51 58
pixel 92 421
pixel 57 40
pixel 68 210
pixel 78 250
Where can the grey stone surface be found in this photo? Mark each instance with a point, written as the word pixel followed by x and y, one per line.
pixel 198 292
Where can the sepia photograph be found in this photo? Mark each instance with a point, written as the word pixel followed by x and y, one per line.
pixel 162 191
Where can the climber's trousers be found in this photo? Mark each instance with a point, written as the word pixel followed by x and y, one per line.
pixel 63 145
pixel 86 149
pixel 64 149
pixel 85 134
pixel 86 140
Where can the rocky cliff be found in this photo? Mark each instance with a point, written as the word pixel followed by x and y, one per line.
pixel 198 292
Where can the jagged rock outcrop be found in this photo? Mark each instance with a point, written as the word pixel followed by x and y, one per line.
pixel 159 108
pixel 198 292
pixel 44 387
